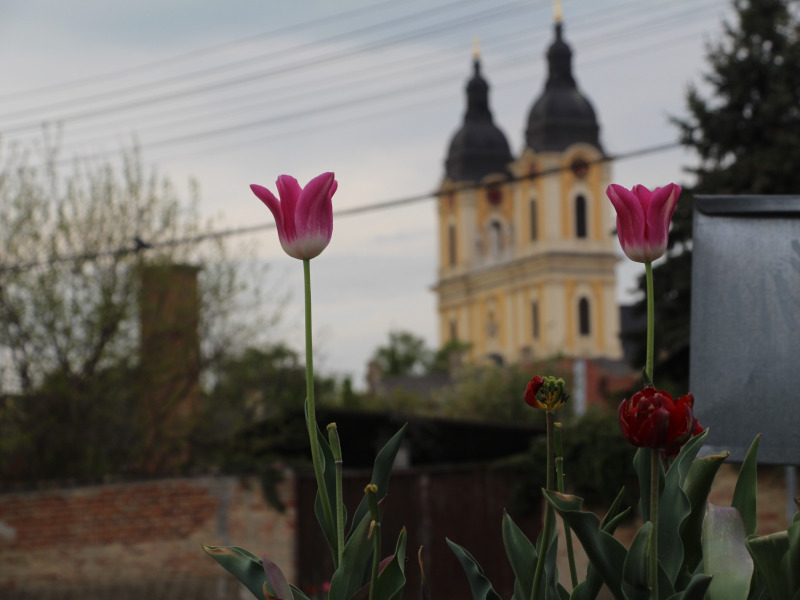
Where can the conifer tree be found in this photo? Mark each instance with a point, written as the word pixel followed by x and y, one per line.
pixel 744 126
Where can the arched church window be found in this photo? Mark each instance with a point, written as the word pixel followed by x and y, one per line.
pixel 495 238
pixel 534 220
pixel 580 216
pixel 451 244
pixel 535 319
pixel 584 324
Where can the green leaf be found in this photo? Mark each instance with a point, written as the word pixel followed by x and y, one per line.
pixel 641 464
pixel 392 579
pixel 243 565
pixel 725 555
pixel 744 495
pixel 479 585
pixel 675 507
pixel 276 580
pixel 329 489
pixel 767 552
pixel 521 556
pixel 697 486
pixel 604 552
pixel 381 472
pixel 298 593
pixel 352 572
pixel 793 557
pixel 695 590
pixel 635 581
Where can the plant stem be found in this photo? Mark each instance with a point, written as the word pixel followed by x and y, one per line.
pixel 648 269
pixel 376 558
pixel 573 571
pixel 336 450
pixel 549 514
pixel 311 411
pixel 655 471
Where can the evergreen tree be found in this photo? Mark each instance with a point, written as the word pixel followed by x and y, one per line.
pixel 746 133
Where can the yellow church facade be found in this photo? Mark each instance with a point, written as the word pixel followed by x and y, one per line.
pixel 526 245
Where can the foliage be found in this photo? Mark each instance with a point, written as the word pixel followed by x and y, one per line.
pixel 78 399
pixel 252 412
pixel 404 354
pixel 597 464
pixel 746 132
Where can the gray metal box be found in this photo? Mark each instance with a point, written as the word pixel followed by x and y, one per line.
pixel 745 324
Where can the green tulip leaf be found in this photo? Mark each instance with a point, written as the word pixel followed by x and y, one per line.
pixel 767 552
pixel 329 490
pixel 793 557
pixel 392 579
pixel 381 472
pixel 695 590
pixel 276 580
pixel 725 555
pixel 697 486
pixel 243 565
pixel 641 464
pixel 352 573
pixel 298 593
pixel 744 495
pixel 635 581
pixel 521 556
pixel 479 585
pixel 605 553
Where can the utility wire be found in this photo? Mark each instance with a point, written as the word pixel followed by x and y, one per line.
pixel 140 245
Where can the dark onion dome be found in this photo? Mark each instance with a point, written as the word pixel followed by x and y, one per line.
pixel 562 115
pixel 479 148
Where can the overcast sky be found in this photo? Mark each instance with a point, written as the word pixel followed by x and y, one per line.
pixel 239 92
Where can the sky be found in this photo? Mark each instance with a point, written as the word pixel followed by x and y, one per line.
pixel 235 93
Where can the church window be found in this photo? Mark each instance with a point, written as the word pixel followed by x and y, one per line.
pixel 495 238
pixel 451 244
pixel 453 330
pixel 535 319
pixel 534 221
pixel 580 216
pixel 584 325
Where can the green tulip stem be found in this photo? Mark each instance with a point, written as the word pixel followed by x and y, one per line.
pixel 311 411
pixel 549 514
pixel 655 471
pixel 573 571
pixel 648 369
pixel 336 450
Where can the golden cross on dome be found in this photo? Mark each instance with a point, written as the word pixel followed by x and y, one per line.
pixel 476 47
pixel 557 12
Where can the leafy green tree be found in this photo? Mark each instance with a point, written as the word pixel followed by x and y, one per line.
pixel 404 354
pixel 75 243
pixel 744 126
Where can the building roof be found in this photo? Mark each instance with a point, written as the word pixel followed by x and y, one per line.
pixel 479 148
pixel 562 115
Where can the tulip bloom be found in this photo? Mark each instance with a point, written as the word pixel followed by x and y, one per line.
pixel 643 219
pixel 652 419
pixel 303 216
pixel 673 449
pixel 546 393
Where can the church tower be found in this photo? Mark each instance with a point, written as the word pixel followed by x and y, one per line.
pixel 526 246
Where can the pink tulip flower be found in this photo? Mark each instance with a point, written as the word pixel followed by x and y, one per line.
pixel 303 216
pixel 643 219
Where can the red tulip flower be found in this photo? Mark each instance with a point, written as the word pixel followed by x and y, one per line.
pixel 673 449
pixel 303 216
pixel 546 393
pixel 643 219
pixel 651 418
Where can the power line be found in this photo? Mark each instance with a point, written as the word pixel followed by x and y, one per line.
pixel 315 61
pixel 140 245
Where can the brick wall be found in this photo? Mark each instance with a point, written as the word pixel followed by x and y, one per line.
pixel 133 532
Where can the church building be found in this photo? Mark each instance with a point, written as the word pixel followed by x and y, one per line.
pixel 526 244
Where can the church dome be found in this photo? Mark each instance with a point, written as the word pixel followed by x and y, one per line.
pixel 479 148
pixel 562 115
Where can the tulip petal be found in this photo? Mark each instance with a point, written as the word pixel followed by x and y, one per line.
pixel 314 214
pixel 630 221
pixel 659 216
pixel 274 205
pixel 289 191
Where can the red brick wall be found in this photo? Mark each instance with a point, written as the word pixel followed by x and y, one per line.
pixel 147 530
